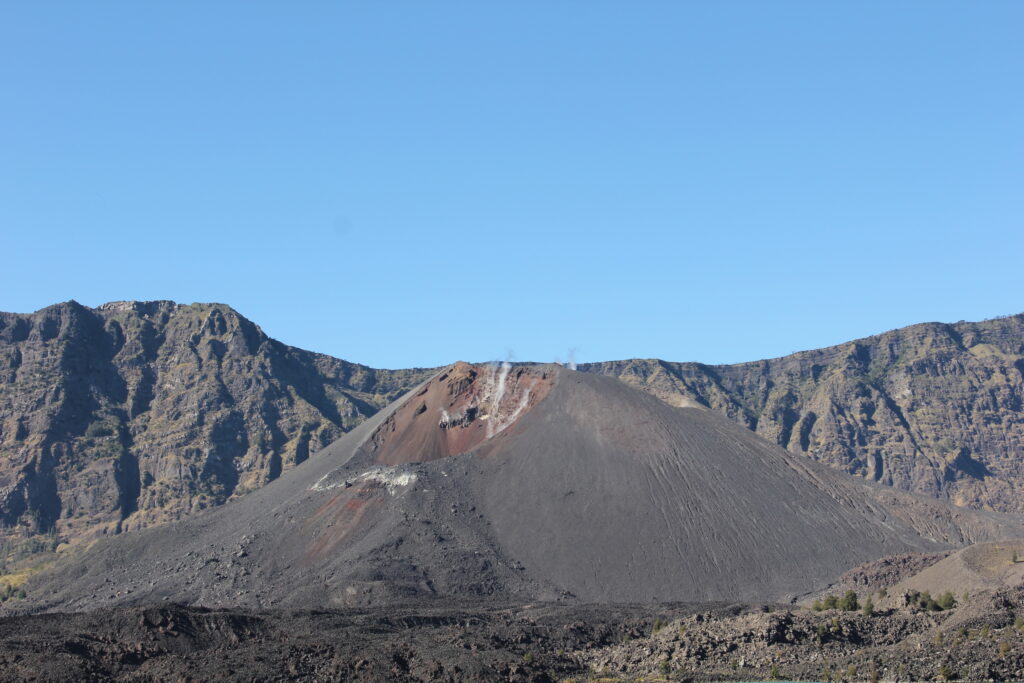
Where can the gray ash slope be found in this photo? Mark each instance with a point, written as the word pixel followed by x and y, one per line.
pixel 524 483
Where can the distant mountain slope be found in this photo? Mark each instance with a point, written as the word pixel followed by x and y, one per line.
pixel 931 408
pixel 132 414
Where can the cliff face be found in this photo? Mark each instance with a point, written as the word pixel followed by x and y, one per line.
pixel 133 414
pixel 932 408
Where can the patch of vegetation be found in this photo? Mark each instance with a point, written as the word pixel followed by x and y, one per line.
pixel 13 552
pixel 924 600
pixel 100 428
pixel 847 603
pixel 665 666
pixel 9 592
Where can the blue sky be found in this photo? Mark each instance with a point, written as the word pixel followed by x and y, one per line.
pixel 411 183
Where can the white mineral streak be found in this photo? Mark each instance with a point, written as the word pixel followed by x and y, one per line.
pixel 392 478
pixel 499 393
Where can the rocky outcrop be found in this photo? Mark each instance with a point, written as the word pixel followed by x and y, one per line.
pixel 133 414
pixel 982 639
pixel 935 409
pixel 535 642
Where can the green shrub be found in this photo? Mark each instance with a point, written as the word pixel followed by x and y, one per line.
pixel 101 428
pixel 849 602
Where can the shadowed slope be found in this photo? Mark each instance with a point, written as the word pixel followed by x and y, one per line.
pixel 590 489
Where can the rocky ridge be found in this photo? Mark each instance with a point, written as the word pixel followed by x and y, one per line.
pixel 932 408
pixel 137 413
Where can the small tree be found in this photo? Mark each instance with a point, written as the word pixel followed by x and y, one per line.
pixel 869 608
pixel 849 602
pixel 947 601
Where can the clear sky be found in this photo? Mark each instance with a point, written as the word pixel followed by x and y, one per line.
pixel 411 183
